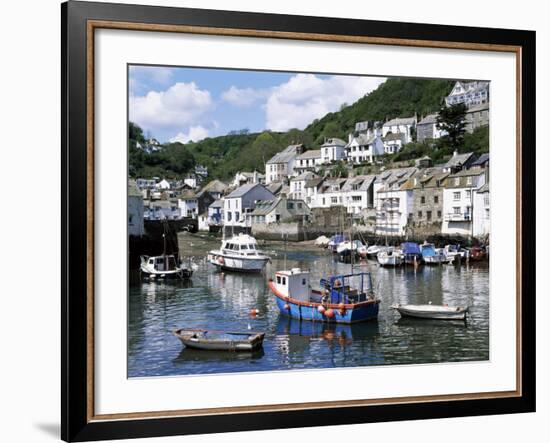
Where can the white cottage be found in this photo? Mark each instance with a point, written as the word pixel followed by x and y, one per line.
pixel 469 93
pixel 333 150
pixel 405 126
pixel 281 165
pixel 241 202
pixel 458 201
pixel 135 210
pixel 364 148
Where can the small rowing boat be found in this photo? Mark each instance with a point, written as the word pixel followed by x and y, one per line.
pixel 209 340
pixel 434 312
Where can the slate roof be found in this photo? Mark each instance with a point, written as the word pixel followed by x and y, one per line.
pixel 428 120
pixel 458 160
pixel 334 142
pixel 217 203
pixel 401 121
pixel 274 187
pixel 363 180
pixel 483 189
pixel 483 158
pixel 285 155
pixel 363 140
pixel 312 153
pixel 215 186
pixel 390 136
pixel 187 195
pixel 303 176
pixel 314 182
pixel 242 190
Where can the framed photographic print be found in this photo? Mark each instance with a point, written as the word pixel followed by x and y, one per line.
pixel 277 221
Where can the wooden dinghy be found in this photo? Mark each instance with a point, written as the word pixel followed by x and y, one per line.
pixel 434 312
pixel 209 340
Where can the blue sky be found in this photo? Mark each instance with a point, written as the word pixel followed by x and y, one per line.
pixel 186 104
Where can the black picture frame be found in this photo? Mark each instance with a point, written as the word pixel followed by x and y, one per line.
pixel 76 423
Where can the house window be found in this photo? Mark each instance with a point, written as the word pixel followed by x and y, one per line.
pixel 334 199
pixel 438 214
pixel 228 216
pixel 429 215
pixel 436 199
pixel 457 181
pixel 299 205
pixel 486 199
pixel 419 214
pixel 456 196
pixel 236 216
pixel 290 205
pixel 356 198
pixel 422 199
pixel 468 195
pixel 456 210
pixel 323 201
pixel 469 180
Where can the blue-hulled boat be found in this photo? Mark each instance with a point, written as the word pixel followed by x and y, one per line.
pixel 341 299
pixel 412 255
pixel 432 256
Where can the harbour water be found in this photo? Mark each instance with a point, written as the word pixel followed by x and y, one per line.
pixel 223 301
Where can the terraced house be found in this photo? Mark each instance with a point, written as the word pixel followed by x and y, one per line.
pixel 427 205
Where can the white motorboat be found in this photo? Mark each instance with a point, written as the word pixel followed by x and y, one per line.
pixel 434 312
pixel 455 254
pixel 239 253
pixel 163 267
pixel 390 257
pixel 373 250
pixel 348 246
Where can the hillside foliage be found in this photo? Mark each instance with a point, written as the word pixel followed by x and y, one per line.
pixel 244 151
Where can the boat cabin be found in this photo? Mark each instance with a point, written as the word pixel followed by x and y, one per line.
pixel 161 263
pixel 294 284
pixel 241 244
pixel 347 289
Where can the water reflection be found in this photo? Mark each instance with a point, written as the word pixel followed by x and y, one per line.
pixel 223 301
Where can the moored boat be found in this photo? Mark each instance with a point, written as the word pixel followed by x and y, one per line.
pixel 390 257
pixel 477 253
pixel 411 253
pixel 335 241
pixel 455 253
pixel 373 250
pixel 210 340
pixel 430 255
pixel 434 312
pixel 341 299
pixel 239 253
pixel 349 249
pixel 163 267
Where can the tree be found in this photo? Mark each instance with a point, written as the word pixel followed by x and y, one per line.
pixel 339 170
pixel 452 120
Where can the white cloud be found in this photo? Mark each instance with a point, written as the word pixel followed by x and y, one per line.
pixel 243 97
pixel 305 97
pixel 195 133
pixel 180 105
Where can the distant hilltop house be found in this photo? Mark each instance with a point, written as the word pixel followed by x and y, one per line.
pixel 393 142
pixel 469 93
pixel 477 116
pixel 248 178
pixel 458 162
pixel 405 126
pixel 427 128
pixel 364 147
pixel 201 170
pixel 281 166
pixel 332 150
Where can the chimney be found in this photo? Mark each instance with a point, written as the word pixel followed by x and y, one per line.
pixel 455 153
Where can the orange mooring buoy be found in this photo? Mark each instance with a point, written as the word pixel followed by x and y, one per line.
pixel 254 312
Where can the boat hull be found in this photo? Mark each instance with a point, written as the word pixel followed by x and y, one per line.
pixel 349 313
pixel 232 342
pixel 237 264
pixel 179 274
pixel 458 314
pixel 390 261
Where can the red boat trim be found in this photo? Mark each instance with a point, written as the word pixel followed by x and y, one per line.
pixel 314 304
